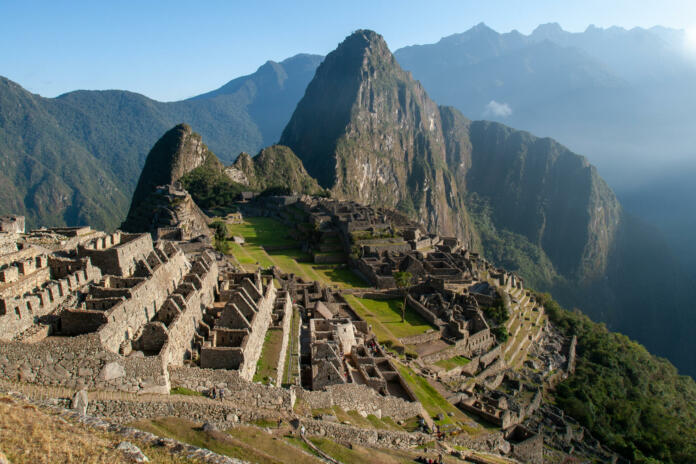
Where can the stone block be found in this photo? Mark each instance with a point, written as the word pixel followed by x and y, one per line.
pixel 80 402
pixel 112 370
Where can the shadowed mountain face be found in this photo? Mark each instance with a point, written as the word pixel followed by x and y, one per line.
pixel 368 132
pixel 178 152
pixel 75 159
pixel 156 203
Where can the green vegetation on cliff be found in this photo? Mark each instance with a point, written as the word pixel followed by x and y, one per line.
pixel 634 402
pixel 210 188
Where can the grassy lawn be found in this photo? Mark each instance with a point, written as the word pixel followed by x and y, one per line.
pixel 451 363
pixel 383 334
pixel 262 231
pixel 358 455
pixel 185 391
pixel 388 313
pixel 267 365
pixel 431 400
pixel 299 263
pixel 290 372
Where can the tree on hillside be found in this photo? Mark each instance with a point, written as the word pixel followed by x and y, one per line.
pixel 403 280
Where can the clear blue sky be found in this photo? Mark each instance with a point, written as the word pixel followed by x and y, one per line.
pixel 173 49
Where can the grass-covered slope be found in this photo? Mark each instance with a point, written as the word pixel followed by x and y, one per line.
pixel 634 402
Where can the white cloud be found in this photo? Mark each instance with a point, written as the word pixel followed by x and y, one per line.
pixel 496 109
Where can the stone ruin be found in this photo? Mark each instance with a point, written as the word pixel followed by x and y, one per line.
pixel 12 224
pixel 116 305
pixel 236 328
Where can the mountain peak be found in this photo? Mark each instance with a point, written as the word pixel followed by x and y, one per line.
pixel 179 151
pixel 368 132
pixel 547 30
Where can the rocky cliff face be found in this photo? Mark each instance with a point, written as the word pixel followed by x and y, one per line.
pixel 179 151
pixel 165 207
pixel 368 132
pixel 273 167
pixel 541 190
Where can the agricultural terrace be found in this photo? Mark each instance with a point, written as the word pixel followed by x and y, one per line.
pixel 267 244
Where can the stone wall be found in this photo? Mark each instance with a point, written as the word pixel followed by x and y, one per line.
pixel 468 369
pixel 365 437
pixel 117 254
pixel 237 389
pixel 422 338
pixel 182 328
pixel 146 298
pixel 259 326
pixel 80 362
pixel 422 310
pixel 348 396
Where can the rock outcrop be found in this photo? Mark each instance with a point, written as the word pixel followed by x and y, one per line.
pixel 159 201
pixel 178 152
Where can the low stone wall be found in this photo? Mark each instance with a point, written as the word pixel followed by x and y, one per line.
pixel 331 258
pixel 365 437
pixel 493 369
pixel 468 369
pixel 422 338
pixel 348 396
pixel 352 397
pixel 236 388
pixel 460 349
pixel 81 362
pixel 492 355
pixel 422 310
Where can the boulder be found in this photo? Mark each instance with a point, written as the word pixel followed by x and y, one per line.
pixel 208 427
pixel 80 402
pixel 132 452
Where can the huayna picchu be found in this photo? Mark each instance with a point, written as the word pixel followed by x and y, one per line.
pixel 370 289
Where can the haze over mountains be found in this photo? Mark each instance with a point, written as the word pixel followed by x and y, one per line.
pixel 367 131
